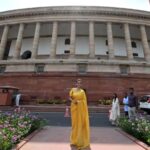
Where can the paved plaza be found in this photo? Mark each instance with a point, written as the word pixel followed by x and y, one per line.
pixel 55 136
pixel 102 138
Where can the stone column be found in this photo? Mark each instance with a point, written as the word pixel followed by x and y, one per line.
pixel 145 43
pixel 91 40
pixel 128 41
pixel 72 40
pixel 110 41
pixel 19 41
pixel 36 40
pixel 54 40
pixel 3 41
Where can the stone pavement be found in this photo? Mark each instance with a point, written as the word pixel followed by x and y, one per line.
pixel 102 138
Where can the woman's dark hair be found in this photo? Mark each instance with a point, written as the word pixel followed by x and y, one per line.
pixel 115 95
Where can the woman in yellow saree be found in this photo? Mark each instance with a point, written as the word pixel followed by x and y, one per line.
pixel 79 118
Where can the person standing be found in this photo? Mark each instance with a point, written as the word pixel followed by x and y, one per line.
pixel 132 104
pixel 16 97
pixel 125 102
pixel 17 100
pixel 115 110
pixel 80 137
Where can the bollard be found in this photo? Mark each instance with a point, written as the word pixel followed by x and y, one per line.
pixel 67 112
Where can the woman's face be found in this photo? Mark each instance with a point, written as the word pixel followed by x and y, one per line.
pixel 78 83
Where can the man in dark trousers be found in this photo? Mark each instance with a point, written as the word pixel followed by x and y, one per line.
pixel 132 104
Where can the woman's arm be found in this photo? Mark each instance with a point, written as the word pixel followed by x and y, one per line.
pixel 73 101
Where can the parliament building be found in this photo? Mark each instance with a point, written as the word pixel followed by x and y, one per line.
pixel 44 50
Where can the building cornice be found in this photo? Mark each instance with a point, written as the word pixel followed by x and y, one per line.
pixel 74 10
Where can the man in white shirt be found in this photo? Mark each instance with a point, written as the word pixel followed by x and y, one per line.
pixel 125 102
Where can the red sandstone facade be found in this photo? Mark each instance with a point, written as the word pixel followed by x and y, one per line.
pixel 56 85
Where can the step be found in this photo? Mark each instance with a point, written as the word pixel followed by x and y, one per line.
pixel 56 108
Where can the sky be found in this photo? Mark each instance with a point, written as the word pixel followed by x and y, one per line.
pixel 6 5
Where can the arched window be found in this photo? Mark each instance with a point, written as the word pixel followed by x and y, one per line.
pixel 133 44
pixel 26 54
pixel 67 41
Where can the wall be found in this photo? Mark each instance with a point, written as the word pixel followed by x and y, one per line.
pixel 97 85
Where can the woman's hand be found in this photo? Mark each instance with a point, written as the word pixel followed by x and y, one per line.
pixel 75 101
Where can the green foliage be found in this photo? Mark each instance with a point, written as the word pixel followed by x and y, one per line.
pixel 51 101
pixel 14 126
pixel 37 124
pixel 105 101
pixel 139 128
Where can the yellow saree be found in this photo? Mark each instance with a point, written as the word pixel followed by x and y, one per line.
pixel 80 119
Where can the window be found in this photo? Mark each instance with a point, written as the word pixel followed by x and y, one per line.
pixel 133 44
pixel 135 54
pixel 124 69
pixel 107 52
pixel 82 68
pixel 2 69
pixel 66 51
pixel 67 41
pixel 26 55
pixel 39 68
pixel 106 42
